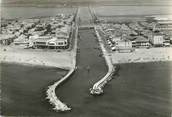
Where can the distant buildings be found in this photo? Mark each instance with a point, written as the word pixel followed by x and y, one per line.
pixel 156 32
pixel 163 23
pixel 47 32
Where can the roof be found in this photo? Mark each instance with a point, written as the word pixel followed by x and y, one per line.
pixel 141 39
pixel 56 40
pixel 43 39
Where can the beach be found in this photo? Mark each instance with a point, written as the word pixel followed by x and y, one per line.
pixel 143 55
pixel 139 89
pixel 38 57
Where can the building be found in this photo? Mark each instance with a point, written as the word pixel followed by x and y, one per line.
pixel 41 41
pixel 141 42
pixel 157 40
pixel 58 43
pixel 6 39
pixel 50 42
pixel 163 23
pixel 163 26
pixel 166 42
pixel 124 46
pixel 21 40
pixel 115 39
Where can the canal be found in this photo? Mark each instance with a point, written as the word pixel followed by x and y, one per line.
pixel 75 92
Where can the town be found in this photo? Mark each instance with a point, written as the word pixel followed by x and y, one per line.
pixel 56 32
pixel 126 36
pixel 47 32
pixel 75 55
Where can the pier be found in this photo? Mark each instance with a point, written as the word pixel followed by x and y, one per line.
pixel 51 95
pixel 97 87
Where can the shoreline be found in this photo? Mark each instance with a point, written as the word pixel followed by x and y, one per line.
pixel 143 56
pixel 36 58
pixel 62 60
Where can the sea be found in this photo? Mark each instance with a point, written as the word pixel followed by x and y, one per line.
pixel 139 89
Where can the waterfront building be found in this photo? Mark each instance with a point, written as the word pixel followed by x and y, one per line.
pixel 124 46
pixel 157 40
pixel 163 27
pixel 141 42
pixel 49 42
pixel 41 41
pixel 58 43
pixel 163 24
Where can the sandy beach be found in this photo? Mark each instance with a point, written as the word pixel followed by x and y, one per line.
pixel 36 57
pixel 143 55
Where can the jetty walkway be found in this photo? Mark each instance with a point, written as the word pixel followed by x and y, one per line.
pixel 97 87
pixel 51 95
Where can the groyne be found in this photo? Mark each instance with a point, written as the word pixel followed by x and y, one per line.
pixel 51 95
pixel 97 87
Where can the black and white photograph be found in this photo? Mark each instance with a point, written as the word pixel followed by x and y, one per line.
pixel 86 58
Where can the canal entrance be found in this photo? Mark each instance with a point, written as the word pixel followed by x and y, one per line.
pixel 91 67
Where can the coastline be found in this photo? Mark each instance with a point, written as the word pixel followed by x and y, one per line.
pixel 62 60
pixel 36 58
pixel 143 56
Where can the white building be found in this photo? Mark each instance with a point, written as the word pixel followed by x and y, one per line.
pixel 49 42
pixel 58 43
pixel 157 40
pixel 124 46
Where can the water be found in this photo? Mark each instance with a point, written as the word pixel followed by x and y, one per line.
pixel 28 12
pixel 24 89
pixel 140 90
pixel 131 10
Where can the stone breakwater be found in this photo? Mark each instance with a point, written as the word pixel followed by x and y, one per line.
pixel 51 95
pixel 53 99
pixel 97 87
